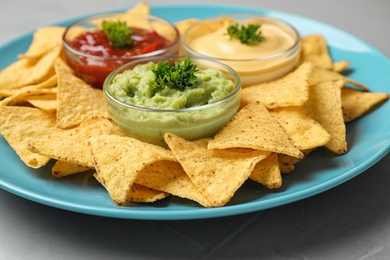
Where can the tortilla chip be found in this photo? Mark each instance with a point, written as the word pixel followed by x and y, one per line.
pixel 140 8
pixel 183 25
pixel 324 106
pixel 319 75
pixel 356 103
pixel 62 169
pixel 216 174
pixel 137 16
pixel 267 172
pixel 20 126
pixel 340 66
pixel 304 132
pixel 119 159
pixel 139 193
pixel 22 96
pixel 291 90
pixel 45 102
pixel 71 145
pixel 287 163
pixel 28 72
pixel 77 101
pixel 253 127
pixel 314 49
pixel 44 39
pixel 49 83
pixel 170 177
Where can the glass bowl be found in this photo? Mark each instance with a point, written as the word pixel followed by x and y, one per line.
pixel 150 124
pixel 94 64
pixel 267 60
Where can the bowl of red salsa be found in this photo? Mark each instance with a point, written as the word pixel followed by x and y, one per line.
pixel 95 46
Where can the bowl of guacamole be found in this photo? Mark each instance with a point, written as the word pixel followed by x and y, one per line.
pixel 190 97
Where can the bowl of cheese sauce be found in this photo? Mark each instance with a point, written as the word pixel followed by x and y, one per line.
pixel 259 48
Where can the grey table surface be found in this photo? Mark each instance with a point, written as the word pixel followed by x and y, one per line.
pixel 351 221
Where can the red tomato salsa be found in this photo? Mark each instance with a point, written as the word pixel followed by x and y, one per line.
pixel 95 70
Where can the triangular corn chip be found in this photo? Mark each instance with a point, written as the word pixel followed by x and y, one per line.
pixel 71 145
pixel 26 72
pixel 324 106
pixel 315 50
pixel 119 159
pixel 61 169
pixel 216 174
pixel 267 172
pixel 22 125
pixel 319 75
pixel 304 132
pixel 169 176
pixel 356 103
pixel 44 39
pixel 253 127
pixel 291 90
pixel 77 101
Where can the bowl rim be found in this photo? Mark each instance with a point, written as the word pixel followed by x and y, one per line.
pixel 236 89
pixel 175 42
pixel 293 49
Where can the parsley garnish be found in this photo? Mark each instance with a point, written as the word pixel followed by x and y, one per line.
pixel 118 33
pixel 247 35
pixel 179 75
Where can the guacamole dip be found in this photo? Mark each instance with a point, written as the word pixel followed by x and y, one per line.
pixel 190 102
pixel 137 87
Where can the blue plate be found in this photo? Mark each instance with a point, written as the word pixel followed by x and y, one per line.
pixel 368 139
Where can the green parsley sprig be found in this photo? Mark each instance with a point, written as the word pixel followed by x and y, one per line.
pixel 118 33
pixel 179 75
pixel 246 34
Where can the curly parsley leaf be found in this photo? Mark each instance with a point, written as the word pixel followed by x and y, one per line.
pixel 118 33
pixel 179 75
pixel 246 34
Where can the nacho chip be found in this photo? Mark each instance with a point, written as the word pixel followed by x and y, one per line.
pixel 216 174
pixel 140 8
pixel 356 103
pixel 44 39
pixel 49 83
pixel 304 132
pixel 47 103
pixel 287 163
pixel 77 101
pixel 170 177
pixel 62 169
pixel 253 127
pixel 267 172
pixel 324 106
pixel 183 25
pixel 319 75
pixel 139 193
pixel 340 66
pixel 21 125
pixel 291 90
pixel 71 145
pixel 22 96
pixel 314 49
pixel 137 16
pixel 118 160
pixel 27 72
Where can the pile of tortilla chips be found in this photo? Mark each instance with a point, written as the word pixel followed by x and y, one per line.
pixel 47 113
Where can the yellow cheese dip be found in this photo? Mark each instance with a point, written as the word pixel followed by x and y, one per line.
pixel 263 61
